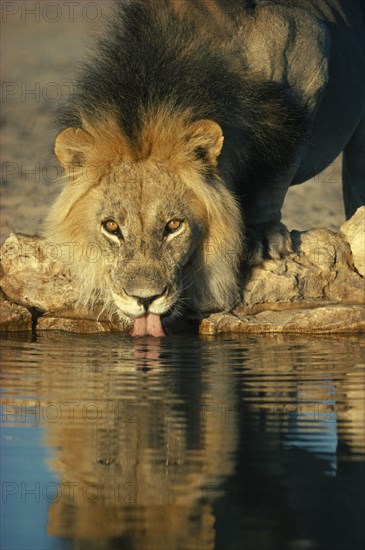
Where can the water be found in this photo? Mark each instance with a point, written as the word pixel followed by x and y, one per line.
pixel 182 443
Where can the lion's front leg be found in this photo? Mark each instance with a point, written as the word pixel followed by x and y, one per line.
pixel 267 240
pixel 266 236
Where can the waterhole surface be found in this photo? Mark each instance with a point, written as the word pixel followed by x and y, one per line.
pixel 242 443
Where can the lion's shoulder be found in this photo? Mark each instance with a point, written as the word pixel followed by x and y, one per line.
pixel 289 45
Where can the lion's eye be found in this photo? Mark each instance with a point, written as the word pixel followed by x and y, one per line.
pixel 173 225
pixel 111 227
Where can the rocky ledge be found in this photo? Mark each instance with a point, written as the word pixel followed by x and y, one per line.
pixel 318 288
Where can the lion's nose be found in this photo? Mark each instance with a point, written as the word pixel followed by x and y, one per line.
pixel 146 301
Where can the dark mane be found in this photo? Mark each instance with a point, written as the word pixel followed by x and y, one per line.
pixel 151 56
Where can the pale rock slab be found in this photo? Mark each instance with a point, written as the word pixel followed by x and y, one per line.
pixel 354 232
pixel 81 326
pixel 32 278
pixel 14 317
pixel 320 320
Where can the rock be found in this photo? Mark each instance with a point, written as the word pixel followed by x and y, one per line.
pixel 32 278
pixel 320 269
pixel 354 233
pixel 14 317
pixel 82 326
pixel 321 319
pixel 317 288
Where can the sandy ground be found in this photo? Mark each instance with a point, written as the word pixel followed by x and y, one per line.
pixel 41 46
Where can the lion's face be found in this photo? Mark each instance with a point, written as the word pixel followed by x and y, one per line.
pixel 166 230
pixel 147 226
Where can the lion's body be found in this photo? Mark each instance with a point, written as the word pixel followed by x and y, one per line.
pixel 285 83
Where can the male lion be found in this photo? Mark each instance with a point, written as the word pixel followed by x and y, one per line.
pixel 189 125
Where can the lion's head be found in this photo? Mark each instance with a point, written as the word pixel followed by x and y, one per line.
pixel 151 224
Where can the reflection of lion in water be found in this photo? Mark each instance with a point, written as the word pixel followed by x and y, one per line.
pixel 190 115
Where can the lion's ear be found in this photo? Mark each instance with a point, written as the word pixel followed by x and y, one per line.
pixel 207 138
pixel 71 145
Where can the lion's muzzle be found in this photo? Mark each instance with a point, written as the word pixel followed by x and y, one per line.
pixel 150 323
pixel 145 308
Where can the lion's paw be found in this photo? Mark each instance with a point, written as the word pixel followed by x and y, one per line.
pixel 268 241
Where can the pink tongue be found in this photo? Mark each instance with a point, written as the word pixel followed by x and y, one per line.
pixel 148 324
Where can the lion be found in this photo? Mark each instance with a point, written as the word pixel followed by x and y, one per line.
pixel 189 124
